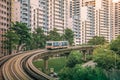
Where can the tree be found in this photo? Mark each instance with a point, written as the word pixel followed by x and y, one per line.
pixel 17 37
pixel 106 59
pixel 74 58
pixel 22 32
pixel 115 45
pixel 69 35
pixel 97 40
pixel 88 73
pixel 66 74
pixel 82 73
pixel 54 35
pixel 11 40
pixel 39 39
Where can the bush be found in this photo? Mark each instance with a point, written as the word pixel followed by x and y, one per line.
pixel 74 58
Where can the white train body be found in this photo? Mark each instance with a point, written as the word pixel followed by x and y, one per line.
pixel 57 44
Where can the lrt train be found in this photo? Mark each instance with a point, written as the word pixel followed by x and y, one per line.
pixel 56 45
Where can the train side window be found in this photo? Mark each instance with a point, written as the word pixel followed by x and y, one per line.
pixel 55 43
pixel 49 44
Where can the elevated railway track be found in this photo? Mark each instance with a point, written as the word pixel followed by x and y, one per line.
pixel 20 67
pixel 4 60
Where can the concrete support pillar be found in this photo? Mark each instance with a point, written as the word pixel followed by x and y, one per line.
pixel 80 51
pixel 91 51
pixel 84 54
pixel 88 51
pixel 45 63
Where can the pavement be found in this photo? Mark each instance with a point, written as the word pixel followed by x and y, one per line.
pixel 89 64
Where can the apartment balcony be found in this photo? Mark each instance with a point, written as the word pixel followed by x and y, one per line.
pixel 25 21
pixel 25 2
pixel 24 17
pixel 25 8
pixel 25 12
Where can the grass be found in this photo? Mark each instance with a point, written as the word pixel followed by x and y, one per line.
pixel 56 63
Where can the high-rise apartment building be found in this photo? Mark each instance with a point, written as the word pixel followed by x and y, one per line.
pixel 34 15
pixel 5 19
pixel 116 19
pixel 103 18
pixel 15 11
pixel 20 11
pixel 43 15
pixel 91 18
pixel 82 20
pixel 75 16
pixel 49 14
pixel 70 15
pixel 87 20
pixel 25 12
pixel 58 15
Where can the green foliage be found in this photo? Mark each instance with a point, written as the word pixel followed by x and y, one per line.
pixel 106 59
pixel 82 73
pixel 115 45
pixel 97 40
pixel 18 35
pixel 22 31
pixel 56 63
pixel 11 41
pixel 38 39
pixel 20 38
pixel 54 35
pixel 113 75
pixel 66 74
pixel 87 73
pixel 69 36
pixel 74 58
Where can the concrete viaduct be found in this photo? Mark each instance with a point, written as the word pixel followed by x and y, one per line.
pixel 49 53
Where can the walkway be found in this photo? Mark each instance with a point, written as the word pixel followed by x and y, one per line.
pixel 89 64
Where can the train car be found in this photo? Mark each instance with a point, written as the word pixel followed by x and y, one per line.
pixel 56 44
pixel 64 44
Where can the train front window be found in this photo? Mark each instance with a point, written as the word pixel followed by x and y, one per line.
pixel 49 44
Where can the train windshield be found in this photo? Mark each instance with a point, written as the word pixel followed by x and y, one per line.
pixel 49 44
